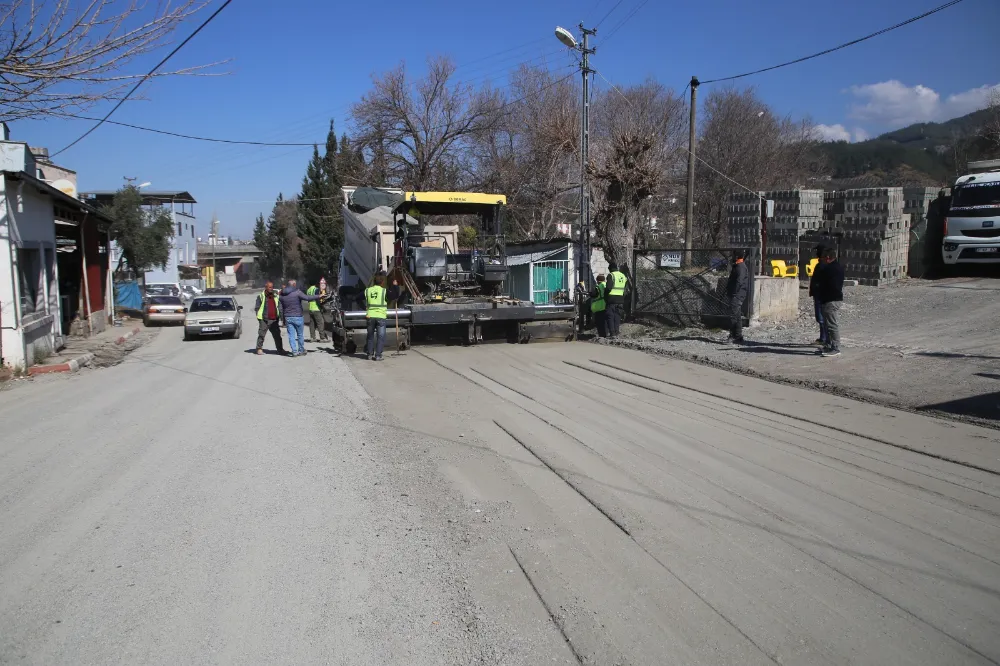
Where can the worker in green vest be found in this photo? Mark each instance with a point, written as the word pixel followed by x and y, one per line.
pixel 377 299
pixel 268 309
pixel 615 298
pixel 316 315
pixel 599 306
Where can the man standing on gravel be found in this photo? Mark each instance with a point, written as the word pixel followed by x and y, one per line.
pixel 614 297
pixel 736 290
pixel 316 314
pixel 830 291
pixel 268 309
pixel 291 309
pixel 824 335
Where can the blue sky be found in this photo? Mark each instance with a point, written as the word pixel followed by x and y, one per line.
pixel 295 64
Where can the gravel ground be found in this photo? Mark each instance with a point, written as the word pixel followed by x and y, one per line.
pixel 918 345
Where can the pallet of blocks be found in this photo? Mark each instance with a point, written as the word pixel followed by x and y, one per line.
pixel 874 233
pixel 743 220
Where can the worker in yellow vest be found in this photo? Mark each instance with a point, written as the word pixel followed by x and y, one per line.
pixel 599 306
pixel 615 298
pixel 316 314
pixel 268 309
pixel 377 299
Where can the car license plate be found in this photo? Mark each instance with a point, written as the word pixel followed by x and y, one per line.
pixel 209 329
pixel 986 249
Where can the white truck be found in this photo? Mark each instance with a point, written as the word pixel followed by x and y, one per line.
pixel 972 226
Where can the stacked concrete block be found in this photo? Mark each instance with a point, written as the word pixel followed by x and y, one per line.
pixel 917 203
pixel 873 232
pixel 743 220
pixel 796 212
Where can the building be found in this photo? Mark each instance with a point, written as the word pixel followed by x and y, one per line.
pixel 541 271
pixel 54 248
pixel 184 244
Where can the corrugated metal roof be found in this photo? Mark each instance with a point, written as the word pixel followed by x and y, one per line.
pixel 522 259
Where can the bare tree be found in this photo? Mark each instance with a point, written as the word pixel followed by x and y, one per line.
pixel 421 128
pixel 61 57
pixel 635 152
pixel 531 154
pixel 743 138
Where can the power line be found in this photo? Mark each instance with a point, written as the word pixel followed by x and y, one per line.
pixel 625 20
pixel 842 46
pixel 146 77
pixel 191 136
pixel 610 12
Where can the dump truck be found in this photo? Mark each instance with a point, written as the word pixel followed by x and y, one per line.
pixel 450 294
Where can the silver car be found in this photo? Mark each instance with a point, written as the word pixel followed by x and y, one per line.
pixel 213 315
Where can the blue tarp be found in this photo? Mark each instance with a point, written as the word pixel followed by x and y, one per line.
pixel 128 296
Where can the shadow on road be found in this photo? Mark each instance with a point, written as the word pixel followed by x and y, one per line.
pixel 268 352
pixel 986 406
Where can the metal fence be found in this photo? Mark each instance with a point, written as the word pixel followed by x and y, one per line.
pixel 550 282
pixel 680 287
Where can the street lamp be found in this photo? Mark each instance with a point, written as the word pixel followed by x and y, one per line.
pixel 146 184
pixel 567 38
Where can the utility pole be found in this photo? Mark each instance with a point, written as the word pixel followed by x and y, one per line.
pixel 567 38
pixel 692 147
pixel 215 241
pixel 585 274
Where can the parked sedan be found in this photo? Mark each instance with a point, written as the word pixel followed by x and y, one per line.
pixel 163 310
pixel 213 315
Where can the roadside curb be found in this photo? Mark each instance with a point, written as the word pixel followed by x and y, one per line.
pixel 75 364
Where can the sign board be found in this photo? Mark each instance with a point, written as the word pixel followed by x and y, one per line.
pixel 670 259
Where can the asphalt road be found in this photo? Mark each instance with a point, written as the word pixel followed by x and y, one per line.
pixel 547 503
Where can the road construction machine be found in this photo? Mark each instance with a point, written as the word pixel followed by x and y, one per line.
pixel 449 294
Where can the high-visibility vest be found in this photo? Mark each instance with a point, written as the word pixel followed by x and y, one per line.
pixel 263 305
pixel 375 298
pixel 313 305
pixel 598 304
pixel 618 282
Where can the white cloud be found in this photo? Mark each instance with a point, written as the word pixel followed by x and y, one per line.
pixel 839 133
pixel 893 104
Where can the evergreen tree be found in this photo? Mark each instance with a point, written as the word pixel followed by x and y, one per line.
pixel 319 223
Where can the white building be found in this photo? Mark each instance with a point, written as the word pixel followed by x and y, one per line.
pixel 53 261
pixel 184 244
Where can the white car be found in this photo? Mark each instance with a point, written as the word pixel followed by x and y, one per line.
pixel 213 316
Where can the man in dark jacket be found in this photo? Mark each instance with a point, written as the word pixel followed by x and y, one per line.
pixel 291 309
pixel 824 334
pixel 829 289
pixel 736 290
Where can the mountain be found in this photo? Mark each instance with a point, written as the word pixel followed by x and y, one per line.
pixel 930 154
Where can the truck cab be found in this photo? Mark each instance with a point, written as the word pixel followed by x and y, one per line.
pixel 972 227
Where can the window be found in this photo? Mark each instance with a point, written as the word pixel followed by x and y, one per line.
pixel 29 267
pixel 212 305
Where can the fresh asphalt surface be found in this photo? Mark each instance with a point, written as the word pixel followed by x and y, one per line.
pixel 549 503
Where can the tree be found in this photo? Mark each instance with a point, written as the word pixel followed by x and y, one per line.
pixel 61 57
pixel 278 242
pixel 742 138
pixel 635 150
pixel 531 154
pixel 319 223
pixel 416 134
pixel 144 236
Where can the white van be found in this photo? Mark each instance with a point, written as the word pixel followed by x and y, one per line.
pixel 972 227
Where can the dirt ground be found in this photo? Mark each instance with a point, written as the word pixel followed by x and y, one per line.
pixel 919 345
